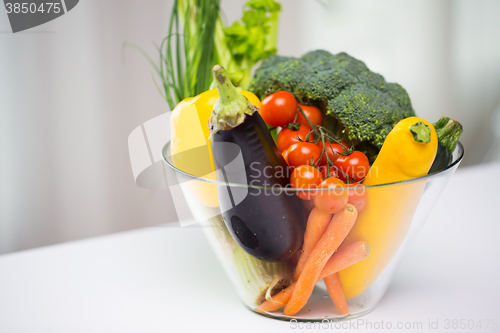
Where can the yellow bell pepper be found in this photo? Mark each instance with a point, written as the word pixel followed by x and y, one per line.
pixel 189 130
pixel 408 152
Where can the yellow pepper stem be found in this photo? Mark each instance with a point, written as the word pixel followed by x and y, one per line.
pixel 421 132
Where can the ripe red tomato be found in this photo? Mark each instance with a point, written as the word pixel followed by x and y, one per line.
pixel 358 196
pixel 331 201
pixel 355 165
pixel 305 176
pixel 279 109
pixel 332 149
pixel 313 113
pixel 324 171
pixel 287 137
pixel 301 153
pixel 284 153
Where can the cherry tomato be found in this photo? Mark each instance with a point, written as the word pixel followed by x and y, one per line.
pixel 358 196
pixel 305 176
pixel 284 153
pixel 331 201
pixel 287 137
pixel 332 149
pixel 313 113
pixel 324 171
pixel 302 152
pixel 279 109
pixel 355 165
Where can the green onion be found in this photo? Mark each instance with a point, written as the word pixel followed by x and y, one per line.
pixel 197 40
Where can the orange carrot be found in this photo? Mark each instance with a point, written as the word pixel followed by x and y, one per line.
pixel 344 258
pixel 336 293
pixel 278 300
pixel 340 260
pixel 337 230
pixel 315 229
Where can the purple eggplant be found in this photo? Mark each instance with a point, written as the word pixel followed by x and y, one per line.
pixel 265 219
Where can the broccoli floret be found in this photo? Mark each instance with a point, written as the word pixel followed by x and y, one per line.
pixel 362 106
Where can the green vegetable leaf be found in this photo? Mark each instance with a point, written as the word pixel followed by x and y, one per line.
pixel 253 38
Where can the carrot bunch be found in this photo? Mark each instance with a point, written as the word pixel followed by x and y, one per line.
pixel 318 260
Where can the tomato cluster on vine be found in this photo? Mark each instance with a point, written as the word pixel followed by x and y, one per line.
pixel 319 160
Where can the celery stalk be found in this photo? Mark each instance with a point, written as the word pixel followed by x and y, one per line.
pixel 252 277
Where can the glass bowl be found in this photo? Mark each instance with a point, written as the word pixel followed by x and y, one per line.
pixel 389 223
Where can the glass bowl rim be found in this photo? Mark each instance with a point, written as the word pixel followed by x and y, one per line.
pixel 455 162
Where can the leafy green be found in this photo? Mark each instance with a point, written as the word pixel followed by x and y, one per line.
pixel 253 38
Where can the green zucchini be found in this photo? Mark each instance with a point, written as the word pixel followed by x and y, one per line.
pixel 448 132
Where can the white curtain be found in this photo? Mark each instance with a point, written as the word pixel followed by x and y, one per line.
pixel 69 97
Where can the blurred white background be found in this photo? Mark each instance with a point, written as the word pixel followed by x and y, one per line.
pixel 69 98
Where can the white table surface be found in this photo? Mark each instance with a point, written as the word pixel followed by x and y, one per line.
pixel 166 279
